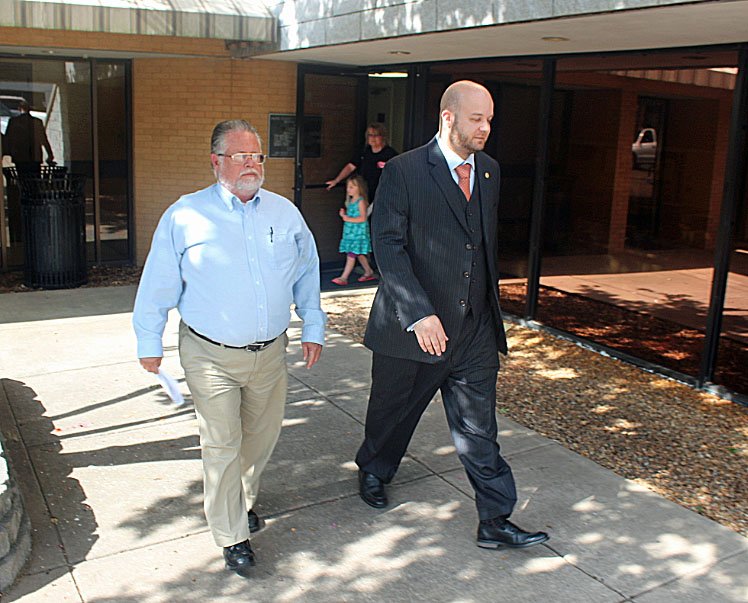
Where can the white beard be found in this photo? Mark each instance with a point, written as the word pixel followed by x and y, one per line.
pixel 244 184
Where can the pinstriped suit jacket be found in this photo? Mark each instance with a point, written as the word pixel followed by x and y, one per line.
pixel 421 242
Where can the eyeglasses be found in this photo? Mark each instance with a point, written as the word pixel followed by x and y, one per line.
pixel 242 158
pixel 370 135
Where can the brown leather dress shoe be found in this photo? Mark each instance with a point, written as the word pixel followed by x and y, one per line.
pixel 239 558
pixel 498 532
pixel 255 522
pixel 371 489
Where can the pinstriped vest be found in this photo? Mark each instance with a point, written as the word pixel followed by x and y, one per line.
pixel 478 292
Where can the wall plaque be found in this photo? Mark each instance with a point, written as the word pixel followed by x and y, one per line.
pixel 282 128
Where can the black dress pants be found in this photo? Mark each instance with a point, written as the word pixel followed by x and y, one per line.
pixel 401 391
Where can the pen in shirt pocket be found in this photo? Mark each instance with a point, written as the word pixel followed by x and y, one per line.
pixel 271 234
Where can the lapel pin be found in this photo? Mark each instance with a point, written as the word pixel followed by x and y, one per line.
pixel 486 175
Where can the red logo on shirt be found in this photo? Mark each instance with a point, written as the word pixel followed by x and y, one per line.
pixel 380 164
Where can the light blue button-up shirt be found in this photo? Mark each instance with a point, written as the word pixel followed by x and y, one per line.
pixel 232 269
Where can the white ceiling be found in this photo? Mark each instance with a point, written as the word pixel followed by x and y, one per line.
pixel 699 24
pixel 703 23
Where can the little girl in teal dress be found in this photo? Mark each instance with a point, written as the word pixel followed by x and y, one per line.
pixel 356 241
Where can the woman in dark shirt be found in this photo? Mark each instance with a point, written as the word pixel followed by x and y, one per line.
pixel 370 162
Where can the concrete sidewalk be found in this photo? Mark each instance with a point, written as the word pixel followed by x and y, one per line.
pixel 110 473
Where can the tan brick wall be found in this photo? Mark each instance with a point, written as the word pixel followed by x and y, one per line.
pixel 176 103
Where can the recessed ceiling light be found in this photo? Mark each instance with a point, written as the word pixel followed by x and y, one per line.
pixel 389 74
pixel 554 39
pixel 398 52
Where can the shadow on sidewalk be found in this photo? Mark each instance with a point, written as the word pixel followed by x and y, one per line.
pixel 66 472
pixel 54 500
pixel 66 303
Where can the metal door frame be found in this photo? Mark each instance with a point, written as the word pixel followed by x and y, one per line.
pixel 360 109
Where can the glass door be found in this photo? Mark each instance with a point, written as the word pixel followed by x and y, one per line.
pixel 331 107
pixel 336 107
pixel 73 113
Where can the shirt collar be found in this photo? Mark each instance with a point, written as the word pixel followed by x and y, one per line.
pixel 453 159
pixel 230 200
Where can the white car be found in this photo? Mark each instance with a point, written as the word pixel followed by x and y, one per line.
pixel 644 149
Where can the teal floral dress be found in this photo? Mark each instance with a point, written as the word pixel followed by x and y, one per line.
pixel 356 238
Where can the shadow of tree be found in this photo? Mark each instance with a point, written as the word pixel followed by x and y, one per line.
pixel 48 495
pixel 629 326
pixel 688 447
pixel 161 398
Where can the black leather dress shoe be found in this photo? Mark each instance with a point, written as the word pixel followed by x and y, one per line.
pixel 239 558
pixel 371 489
pixel 494 533
pixel 256 523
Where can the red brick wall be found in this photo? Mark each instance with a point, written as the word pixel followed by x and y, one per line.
pixel 687 170
pixel 622 176
pixel 592 160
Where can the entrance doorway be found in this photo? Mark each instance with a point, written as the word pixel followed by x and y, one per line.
pixel 340 104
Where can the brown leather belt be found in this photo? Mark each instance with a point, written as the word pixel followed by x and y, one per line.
pixel 251 347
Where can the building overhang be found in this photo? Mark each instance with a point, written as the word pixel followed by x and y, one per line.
pixel 371 37
pixel 214 19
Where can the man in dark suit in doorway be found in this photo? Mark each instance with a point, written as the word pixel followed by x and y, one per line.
pixel 436 323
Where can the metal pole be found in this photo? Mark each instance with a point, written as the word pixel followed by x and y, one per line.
pixel 298 185
pixel 93 70
pixel 733 194
pixel 538 193
pixel 415 106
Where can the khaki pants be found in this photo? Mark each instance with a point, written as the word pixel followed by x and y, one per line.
pixel 239 399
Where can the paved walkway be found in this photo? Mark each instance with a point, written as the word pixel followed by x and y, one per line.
pixel 110 472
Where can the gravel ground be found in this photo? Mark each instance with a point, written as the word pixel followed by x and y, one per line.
pixel 689 446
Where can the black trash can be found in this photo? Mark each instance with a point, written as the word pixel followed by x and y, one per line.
pixel 54 228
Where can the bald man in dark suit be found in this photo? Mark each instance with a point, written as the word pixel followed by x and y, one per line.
pixel 436 322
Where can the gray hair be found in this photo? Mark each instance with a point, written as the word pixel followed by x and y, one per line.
pixel 217 139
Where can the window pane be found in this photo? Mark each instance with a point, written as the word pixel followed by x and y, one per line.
pixel 639 143
pixel 58 94
pixel 113 160
pixel 732 356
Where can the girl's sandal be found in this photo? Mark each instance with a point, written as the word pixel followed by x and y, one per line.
pixel 339 281
pixel 367 277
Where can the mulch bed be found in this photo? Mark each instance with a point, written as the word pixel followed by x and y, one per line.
pixel 98 276
pixel 638 334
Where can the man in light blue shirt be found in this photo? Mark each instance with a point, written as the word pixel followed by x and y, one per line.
pixel 232 258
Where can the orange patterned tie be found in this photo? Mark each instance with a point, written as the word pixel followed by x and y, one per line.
pixel 463 175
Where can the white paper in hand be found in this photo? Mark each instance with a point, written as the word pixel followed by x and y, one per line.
pixel 171 387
